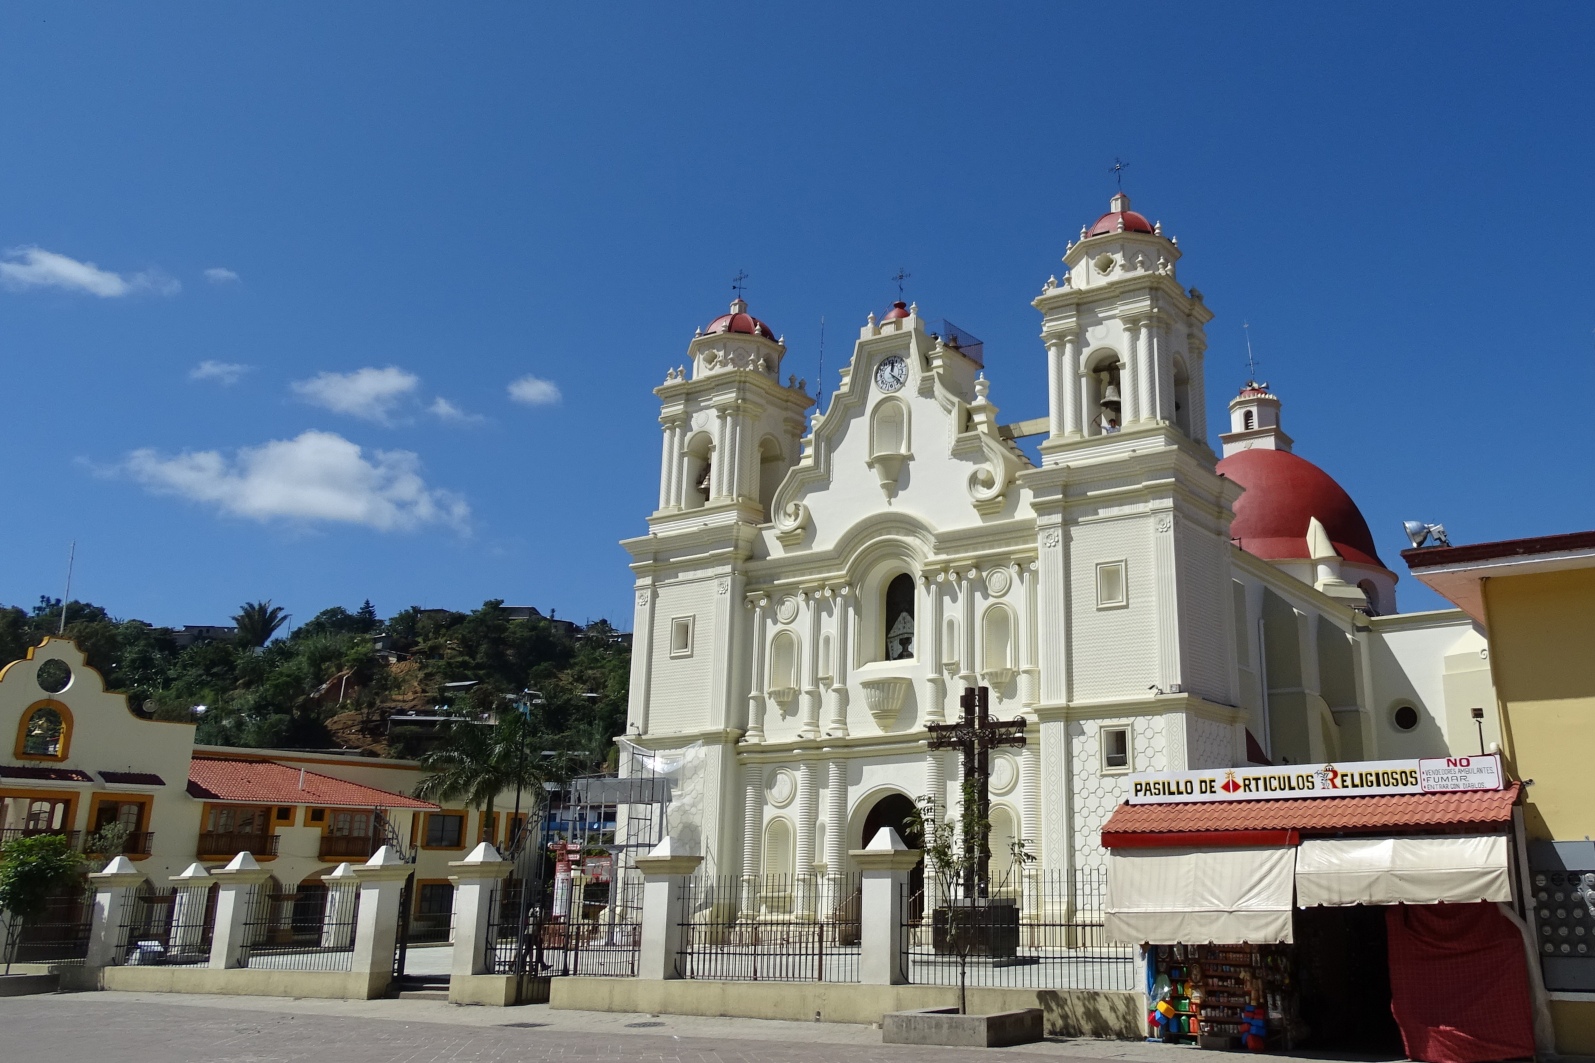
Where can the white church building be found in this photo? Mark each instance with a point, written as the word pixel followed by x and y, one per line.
pixel 811 592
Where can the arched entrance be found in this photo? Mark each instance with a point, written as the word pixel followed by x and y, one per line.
pixel 897 811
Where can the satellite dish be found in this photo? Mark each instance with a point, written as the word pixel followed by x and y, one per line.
pixel 1425 534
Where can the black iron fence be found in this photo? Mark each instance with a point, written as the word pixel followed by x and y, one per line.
pixel 170 926
pixel 308 929
pixel 1043 931
pixel 778 928
pixel 593 930
pixel 57 935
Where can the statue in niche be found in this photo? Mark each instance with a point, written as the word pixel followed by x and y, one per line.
pixel 900 619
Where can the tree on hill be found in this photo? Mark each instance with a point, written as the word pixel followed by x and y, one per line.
pixel 258 622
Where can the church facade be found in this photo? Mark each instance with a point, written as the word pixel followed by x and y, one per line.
pixel 814 590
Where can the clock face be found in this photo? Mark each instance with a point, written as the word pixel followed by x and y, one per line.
pixel 892 373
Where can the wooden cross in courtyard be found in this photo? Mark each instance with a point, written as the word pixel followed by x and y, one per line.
pixel 975 736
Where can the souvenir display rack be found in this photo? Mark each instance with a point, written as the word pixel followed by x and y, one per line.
pixel 1223 996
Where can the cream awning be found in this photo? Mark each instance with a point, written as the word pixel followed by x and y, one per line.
pixel 1197 896
pixel 1426 869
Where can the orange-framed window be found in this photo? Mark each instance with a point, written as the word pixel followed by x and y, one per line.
pixel 443 830
pixel 349 823
pixel 45 732
pixel 128 810
pixel 28 812
pixel 237 819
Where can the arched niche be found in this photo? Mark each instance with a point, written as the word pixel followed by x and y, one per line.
pixel 1182 396
pixel 785 654
pixel 1004 833
pixel 889 428
pixel 779 854
pixel 899 618
pixel 998 658
pixel 45 732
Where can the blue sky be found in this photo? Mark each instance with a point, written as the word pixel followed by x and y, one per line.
pixel 435 257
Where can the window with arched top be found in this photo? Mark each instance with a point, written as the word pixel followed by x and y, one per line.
pixel 1104 399
pixel 949 645
pixel 772 468
pixel 1248 421
pixel 1182 397
pixel 899 616
pixel 783 677
pixel 45 732
pixel 1370 592
pixel 697 468
pixel 778 856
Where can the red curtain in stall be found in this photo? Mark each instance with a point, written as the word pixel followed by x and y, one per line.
pixel 1459 986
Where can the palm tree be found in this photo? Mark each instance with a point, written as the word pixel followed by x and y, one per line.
pixel 479 761
pixel 257 622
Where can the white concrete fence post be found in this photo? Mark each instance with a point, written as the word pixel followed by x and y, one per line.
pixel 112 888
pixel 190 894
pixel 376 931
pixel 884 865
pixel 343 894
pixel 239 880
pixel 663 910
pixel 476 880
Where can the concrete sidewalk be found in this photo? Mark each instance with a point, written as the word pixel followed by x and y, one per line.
pixel 164 1028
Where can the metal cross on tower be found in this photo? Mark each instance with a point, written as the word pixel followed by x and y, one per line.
pixel 902 275
pixel 1251 363
pixel 975 736
pixel 736 282
pixel 1117 170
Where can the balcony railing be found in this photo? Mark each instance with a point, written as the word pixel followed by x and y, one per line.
pixel 226 843
pixel 345 846
pixel 138 843
pixel 12 833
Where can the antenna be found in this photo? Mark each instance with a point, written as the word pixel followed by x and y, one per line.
pixel 1251 363
pixel 819 391
pixel 71 556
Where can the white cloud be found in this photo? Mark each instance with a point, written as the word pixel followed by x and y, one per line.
pixel 444 410
pixel 534 391
pixel 371 394
pixel 318 476
pixel 220 275
pixel 224 373
pixel 22 268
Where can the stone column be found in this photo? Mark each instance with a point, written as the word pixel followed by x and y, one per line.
pixel 338 913
pixel 808 801
pixel 1030 803
pixel 966 620
pixel 842 606
pixel 1162 370
pixel 936 790
pixel 756 695
pixel 239 880
pixel 1130 377
pixel 884 865
pixel 1057 388
pixel 752 836
pixel 1196 390
pixel 1024 595
pixel 718 475
pixel 476 882
pixel 667 465
pixel 835 824
pixel 663 909
pixel 113 887
pixel 1087 412
pixel 376 928
pixel 931 641
pixel 1074 416
pixel 811 668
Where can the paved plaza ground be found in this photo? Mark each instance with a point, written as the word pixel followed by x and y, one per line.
pixel 163 1028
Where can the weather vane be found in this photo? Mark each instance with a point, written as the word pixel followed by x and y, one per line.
pixel 1117 170
pixel 736 282
pixel 902 275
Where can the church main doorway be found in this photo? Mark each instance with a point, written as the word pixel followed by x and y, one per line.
pixel 897 811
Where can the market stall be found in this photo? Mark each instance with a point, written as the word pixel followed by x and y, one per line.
pixel 1307 906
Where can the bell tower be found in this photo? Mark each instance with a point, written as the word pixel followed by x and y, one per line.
pixel 1254 421
pixel 731 428
pixel 1124 340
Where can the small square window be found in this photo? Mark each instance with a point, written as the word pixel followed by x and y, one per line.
pixel 681 636
pixel 434 898
pixel 1115 749
pixel 285 814
pixel 1111 589
pixel 318 815
pixel 444 830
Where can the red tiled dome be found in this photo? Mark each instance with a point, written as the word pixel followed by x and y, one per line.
pixel 739 320
pixel 899 310
pixel 1119 215
pixel 1283 494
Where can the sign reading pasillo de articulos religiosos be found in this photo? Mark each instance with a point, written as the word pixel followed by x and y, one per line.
pixel 1365 779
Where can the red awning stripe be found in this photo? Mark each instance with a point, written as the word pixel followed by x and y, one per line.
pixel 1201 839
